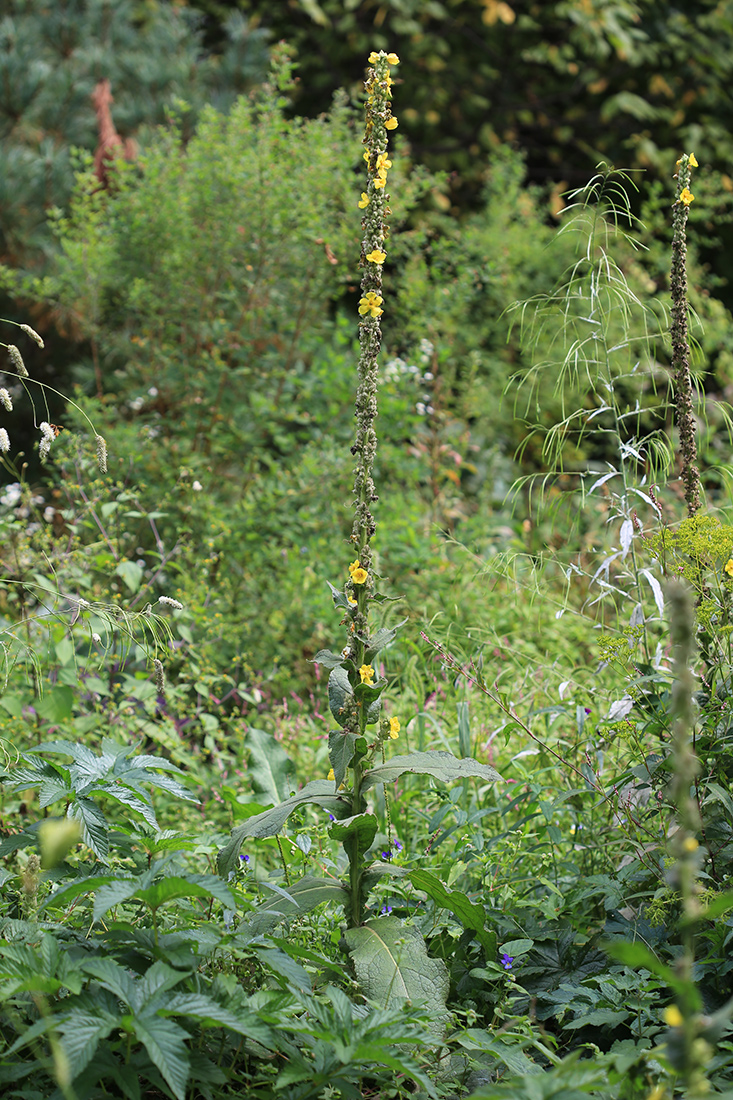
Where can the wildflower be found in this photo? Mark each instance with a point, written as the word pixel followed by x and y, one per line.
pixel 244 859
pixel 159 676
pixel 506 961
pixel 373 57
pixel 17 360
pixel 171 602
pixel 686 196
pixel 394 728
pixel 398 846
pixel 391 123
pixel 359 576
pixel 102 454
pixel 331 775
pixel 728 567
pixel 672 1016
pixel 376 256
pixel 6 400
pixel 367 674
pixel 4 441
pixel 197 486
pixel 366 155
pixel 689 844
pixel 354 566
pixel 33 334
pixel 352 601
pixel 370 304
pixel 380 182
pixel 386 855
pixel 96 638
pixel 393 59
pixel 47 437
pixel 693 161
pixel 383 163
pixel 386 910
pixel 364 201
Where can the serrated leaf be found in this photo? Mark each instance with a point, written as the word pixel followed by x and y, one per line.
pixel 165 1043
pixel 94 828
pixel 341 748
pixel 211 1014
pixel 270 769
pixel 269 823
pixel 471 916
pixel 186 886
pixel 82 1032
pixel 440 765
pixel 393 966
pixel 113 977
pixel 113 893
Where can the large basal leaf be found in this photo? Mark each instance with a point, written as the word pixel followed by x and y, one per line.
pixel 471 916
pixel 270 769
pixel 320 791
pixel 440 765
pixel 393 966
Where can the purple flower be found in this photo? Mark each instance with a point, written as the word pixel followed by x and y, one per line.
pixel 386 909
pixel 398 846
pixel 506 961
pixel 386 855
pixel 244 859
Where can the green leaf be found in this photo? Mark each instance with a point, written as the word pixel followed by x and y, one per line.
pixel 471 916
pixel 356 834
pixel 166 1047
pixel 464 729
pixel 113 893
pixel 339 597
pixel 186 886
pixel 382 638
pixel 83 1030
pixel 305 894
pixel 211 1014
pixel 340 695
pixel 131 574
pixel 341 748
pixel 94 828
pixel 283 965
pixel 57 704
pixel 393 966
pixel 320 791
pixel 440 765
pixel 329 659
pixel 270 769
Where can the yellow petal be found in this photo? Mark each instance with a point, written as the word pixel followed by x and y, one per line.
pixel 391 124
pixel 693 161
pixel 393 59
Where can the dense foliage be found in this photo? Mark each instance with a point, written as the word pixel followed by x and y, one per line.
pixel 523 886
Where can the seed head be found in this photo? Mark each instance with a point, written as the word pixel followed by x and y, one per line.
pixel 17 360
pixel 4 441
pixel 159 676
pixel 102 454
pixel 33 335
pixel 6 400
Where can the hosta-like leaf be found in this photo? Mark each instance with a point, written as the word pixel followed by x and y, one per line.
pixel 186 886
pixel 440 765
pixel 320 791
pixel 393 966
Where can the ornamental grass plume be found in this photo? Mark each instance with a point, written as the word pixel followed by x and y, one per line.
pixel 680 342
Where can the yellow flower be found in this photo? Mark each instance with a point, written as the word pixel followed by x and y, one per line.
pixel 391 123
pixel 394 728
pixel 352 601
pixel 672 1016
pixel 728 567
pixel 393 59
pixel 331 775
pixel 376 256
pixel 367 674
pixel 360 575
pixel 370 303
pixel 689 844
pixel 693 161
pixel 354 566
pixel 380 181
pixel 686 196
pixel 366 155
pixel 383 162
pixel 373 57
pixel 364 201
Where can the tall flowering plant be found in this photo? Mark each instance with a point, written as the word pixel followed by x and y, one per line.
pixel 355 687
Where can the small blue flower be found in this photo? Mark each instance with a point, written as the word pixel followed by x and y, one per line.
pixel 506 961
pixel 386 909
pixel 331 817
pixel 398 846
pixel 386 855
pixel 244 859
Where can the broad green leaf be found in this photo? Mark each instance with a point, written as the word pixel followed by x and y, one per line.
pixel 131 574
pixel 471 916
pixel 607 1017
pixel 305 895
pixel 356 834
pixel 393 966
pixel 339 597
pixel 83 1030
pixel 382 638
pixel 340 695
pixel 320 791
pixel 113 977
pixel 283 965
pixel 270 769
pixel 329 659
pixel 341 747
pixel 211 1014
pixel 56 704
pixel 75 889
pixel 186 886
pixel 158 978
pixel 113 893
pixel 166 1047
pixel 440 765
